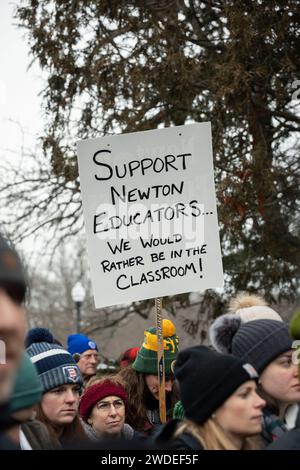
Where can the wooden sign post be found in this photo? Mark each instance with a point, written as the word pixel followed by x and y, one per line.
pixel 160 361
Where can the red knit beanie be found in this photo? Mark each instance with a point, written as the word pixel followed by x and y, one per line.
pixel 97 392
pixel 128 357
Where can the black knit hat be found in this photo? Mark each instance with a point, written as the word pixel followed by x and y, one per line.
pixel 258 342
pixel 12 278
pixel 207 378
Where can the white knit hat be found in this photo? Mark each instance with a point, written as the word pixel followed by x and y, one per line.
pixel 251 307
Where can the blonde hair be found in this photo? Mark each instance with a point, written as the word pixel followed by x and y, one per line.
pixel 211 436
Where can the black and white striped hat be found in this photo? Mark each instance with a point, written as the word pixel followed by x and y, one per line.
pixel 54 364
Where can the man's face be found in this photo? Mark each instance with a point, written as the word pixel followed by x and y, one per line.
pixel 12 336
pixel 88 362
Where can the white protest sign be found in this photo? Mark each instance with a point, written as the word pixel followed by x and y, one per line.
pixel 150 213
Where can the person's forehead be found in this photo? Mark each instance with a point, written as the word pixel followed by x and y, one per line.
pixel 88 352
pixel 249 384
pixel 155 377
pixel 285 354
pixel 109 399
pixel 67 386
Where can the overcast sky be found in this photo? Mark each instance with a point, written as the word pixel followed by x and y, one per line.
pixel 19 87
pixel 20 112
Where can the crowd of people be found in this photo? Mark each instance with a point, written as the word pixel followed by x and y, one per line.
pixel 241 392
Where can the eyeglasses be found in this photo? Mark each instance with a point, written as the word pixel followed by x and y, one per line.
pixel 105 406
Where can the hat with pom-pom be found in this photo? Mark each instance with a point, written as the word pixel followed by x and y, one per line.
pixel 54 364
pixel 242 309
pixel 295 325
pixel 258 342
pixel 251 307
pixel 146 359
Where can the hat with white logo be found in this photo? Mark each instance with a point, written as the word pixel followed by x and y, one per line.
pixel 78 344
pixel 207 379
pixel 54 364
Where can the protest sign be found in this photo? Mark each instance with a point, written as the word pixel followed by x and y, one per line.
pixel 150 213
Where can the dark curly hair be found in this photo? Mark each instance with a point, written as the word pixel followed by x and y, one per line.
pixel 138 392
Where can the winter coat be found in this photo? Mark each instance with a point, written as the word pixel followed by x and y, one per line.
pixel 289 441
pixel 292 416
pixel 7 444
pixel 38 436
pixel 153 417
pixel 274 428
pixel 127 433
pixel 163 438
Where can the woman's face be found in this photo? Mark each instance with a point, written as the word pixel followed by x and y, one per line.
pixel 108 416
pixel 280 379
pixel 60 404
pixel 153 384
pixel 241 414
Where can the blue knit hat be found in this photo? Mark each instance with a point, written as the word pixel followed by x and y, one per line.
pixel 77 344
pixel 54 364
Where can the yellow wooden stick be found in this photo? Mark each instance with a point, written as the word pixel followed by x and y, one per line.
pixel 160 361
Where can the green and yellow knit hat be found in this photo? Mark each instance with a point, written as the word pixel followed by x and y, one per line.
pixel 146 360
pixel 295 333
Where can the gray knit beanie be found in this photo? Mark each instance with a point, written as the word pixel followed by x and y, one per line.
pixel 258 342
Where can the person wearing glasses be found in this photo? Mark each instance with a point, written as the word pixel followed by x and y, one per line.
pixel 103 411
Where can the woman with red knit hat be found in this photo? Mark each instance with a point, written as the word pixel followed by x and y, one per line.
pixel 103 409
